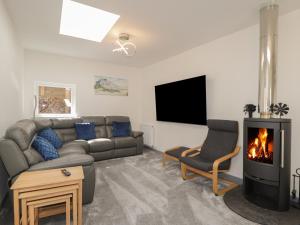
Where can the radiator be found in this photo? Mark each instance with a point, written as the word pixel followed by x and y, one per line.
pixel 148 130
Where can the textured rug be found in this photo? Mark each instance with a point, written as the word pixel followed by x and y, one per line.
pixel 236 201
pixel 139 191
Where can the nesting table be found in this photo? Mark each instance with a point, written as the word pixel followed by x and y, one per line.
pixel 44 193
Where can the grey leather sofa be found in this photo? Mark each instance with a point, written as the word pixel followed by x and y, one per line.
pixel 18 156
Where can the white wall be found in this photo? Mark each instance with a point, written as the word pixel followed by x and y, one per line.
pixel 11 72
pixel 231 66
pixel 62 69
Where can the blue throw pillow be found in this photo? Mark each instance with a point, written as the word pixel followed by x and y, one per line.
pixel 45 148
pixel 121 129
pixel 85 131
pixel 51 136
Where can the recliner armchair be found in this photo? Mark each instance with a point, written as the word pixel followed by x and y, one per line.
pixel 215 154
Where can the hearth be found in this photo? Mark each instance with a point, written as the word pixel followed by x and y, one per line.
pixel 267 153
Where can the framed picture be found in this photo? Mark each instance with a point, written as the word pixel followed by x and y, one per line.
pixel 54 99
pixel 105 85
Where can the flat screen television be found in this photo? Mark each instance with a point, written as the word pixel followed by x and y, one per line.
pixel 182 101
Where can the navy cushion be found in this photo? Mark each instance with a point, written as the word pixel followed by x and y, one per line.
pixel 85 131
pixel 45 148
pixel 121 129
pixel 51 136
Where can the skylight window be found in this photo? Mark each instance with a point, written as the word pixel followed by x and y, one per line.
pixel 86 22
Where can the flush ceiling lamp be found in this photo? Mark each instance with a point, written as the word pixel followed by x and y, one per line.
pixel 86 22
pixel 124 46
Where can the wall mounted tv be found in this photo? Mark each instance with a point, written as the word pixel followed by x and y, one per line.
pixel 182 101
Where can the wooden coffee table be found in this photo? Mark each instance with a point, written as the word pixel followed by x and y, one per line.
pixel 40 188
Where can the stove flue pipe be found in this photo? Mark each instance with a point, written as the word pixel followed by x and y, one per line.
pixel 268 59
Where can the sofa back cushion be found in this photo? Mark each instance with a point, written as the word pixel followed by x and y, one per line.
pixel 33 156
pixel 42 124
pixel 22 133
pixel 109 121
pixel 99 122
pixel 65 128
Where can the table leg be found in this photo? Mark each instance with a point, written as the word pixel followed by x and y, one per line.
pixel 31 215
pixel 24 212
pixel 80 203
pixel 68 216
pixel 16 208
pixel 36 216
pixel 75 212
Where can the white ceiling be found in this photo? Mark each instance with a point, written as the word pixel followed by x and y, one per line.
pixel 160 28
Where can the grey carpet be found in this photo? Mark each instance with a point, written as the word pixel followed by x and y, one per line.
pixel 139 191
pixel 236 201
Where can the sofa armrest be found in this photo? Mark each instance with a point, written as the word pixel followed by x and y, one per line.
pixel 12 157
pixel 65 161
pixel 136 134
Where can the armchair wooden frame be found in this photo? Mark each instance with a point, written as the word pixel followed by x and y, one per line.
pixel 213 175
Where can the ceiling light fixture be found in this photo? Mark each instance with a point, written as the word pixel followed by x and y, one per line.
pixel 86 22
pixel 124 46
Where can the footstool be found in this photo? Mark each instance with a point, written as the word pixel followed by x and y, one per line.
pixel 175 153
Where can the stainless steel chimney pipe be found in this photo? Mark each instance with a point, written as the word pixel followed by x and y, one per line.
pixel 268 59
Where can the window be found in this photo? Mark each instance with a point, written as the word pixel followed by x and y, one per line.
pixel 83 21
pixel 55 100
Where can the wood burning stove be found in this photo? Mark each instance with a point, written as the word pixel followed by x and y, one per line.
pixel 267 153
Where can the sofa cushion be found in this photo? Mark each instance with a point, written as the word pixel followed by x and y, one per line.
pixel 101 132
pixel 78 143
pixel 71 150
pixel 42 124
pixel 45 148
pixel 50 135
pixel 121 129
pixel 101 145
pixel 22 133
pixel 65 123
pixel 85 131
pixel 33 156
pixel 97 120
pixel 64 161
pixel 124 142
pixel 110 119
pixel 67 134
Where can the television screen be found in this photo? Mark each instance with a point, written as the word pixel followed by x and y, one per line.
pixel 182 101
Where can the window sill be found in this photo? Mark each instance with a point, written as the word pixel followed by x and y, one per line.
pixel 55 116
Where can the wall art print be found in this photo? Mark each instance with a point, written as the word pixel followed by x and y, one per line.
pixel 105 85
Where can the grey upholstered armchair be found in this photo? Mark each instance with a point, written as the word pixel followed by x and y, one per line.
pixel 215 154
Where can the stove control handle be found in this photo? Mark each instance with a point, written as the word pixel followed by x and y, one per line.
pixel 282 148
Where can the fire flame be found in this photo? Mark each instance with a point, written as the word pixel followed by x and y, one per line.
pixel 259 149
